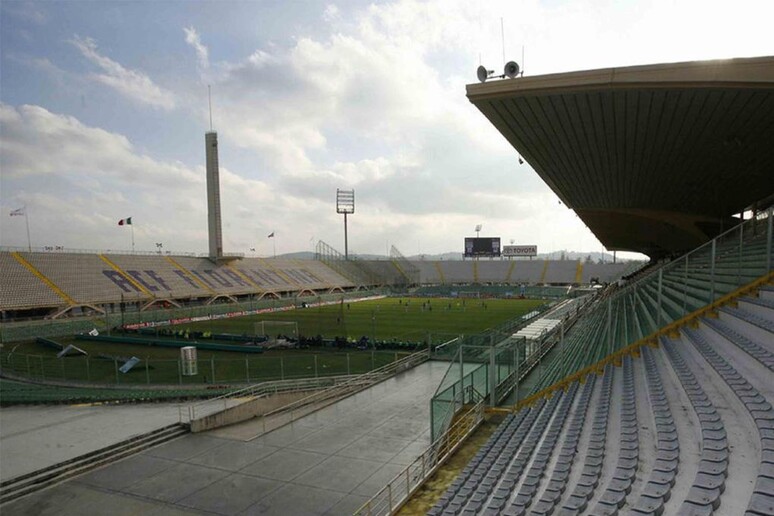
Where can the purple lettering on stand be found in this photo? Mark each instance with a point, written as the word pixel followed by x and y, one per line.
pixel 312 276
pixel 137 275
pixel 202 277
pixel 153 275
pixel 265 278
pixel 251 276
pixel 235 277
pixel 218 278
pixel 121 281
pixel 185 278
pixel 294 275
pixel 279 279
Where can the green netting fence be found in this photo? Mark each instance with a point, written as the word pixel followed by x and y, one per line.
pixel 91 369
pixel 488 371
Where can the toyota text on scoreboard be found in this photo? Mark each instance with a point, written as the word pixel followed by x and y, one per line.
pixel 520 250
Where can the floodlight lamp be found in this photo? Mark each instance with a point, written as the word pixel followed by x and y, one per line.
pixel 345 201
pixel 478 228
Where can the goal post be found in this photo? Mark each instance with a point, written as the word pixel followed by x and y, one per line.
pixel 276 331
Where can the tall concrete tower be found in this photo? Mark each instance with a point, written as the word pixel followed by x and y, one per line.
pixel 213 196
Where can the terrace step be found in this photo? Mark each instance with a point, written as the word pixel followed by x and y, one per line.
pixel 35 481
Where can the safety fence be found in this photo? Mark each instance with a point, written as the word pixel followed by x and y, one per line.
pixel 486 370
pixel 446 346
pixel 476 291
pixel 497 362
pixel 214 370
pixel 326 391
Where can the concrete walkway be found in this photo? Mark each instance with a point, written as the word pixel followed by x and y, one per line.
pixel 329 462
pixel 34 437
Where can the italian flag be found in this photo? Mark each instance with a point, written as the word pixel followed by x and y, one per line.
pixel 125 222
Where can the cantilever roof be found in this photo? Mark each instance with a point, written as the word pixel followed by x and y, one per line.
pixel 653 158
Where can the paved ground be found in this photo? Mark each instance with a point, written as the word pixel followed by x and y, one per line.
pixel 33 437
pixel 329 462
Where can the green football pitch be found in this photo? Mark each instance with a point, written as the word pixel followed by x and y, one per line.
pixel 399 319
pixel 385 319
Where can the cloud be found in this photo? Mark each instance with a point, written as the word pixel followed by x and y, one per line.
pixel 331 13
pixel 78 180
pixel 366 107
pixel 37 142
pixel 202 53
pixel 30 12
pixel 370 97
pixel 133 84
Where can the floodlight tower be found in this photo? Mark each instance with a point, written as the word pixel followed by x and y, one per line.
pixel 345 203
pixel 213 190
pixel 478 229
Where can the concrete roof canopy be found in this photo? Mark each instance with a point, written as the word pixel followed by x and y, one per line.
pixel 654 159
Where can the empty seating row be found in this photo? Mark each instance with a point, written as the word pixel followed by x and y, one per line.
pixel 704 495
pixel 620 485
pixel 762 413
pixel 21 288
pixel 595 451
pixel 595 470
pixel 516 272
pixel 662 477
pixel 536 471
pixel 561 471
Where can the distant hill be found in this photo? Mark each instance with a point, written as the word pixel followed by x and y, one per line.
pixel 451 256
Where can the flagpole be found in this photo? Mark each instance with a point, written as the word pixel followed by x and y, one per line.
pixel 132 236
pixel 274 243
pixel 27 221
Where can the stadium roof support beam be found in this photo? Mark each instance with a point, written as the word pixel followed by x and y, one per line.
pixel 160 302
pixel 222 296
pixel 62 311
pixel 654 158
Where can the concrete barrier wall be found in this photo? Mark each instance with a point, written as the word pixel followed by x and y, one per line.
pixel 265 405
pixel 246 410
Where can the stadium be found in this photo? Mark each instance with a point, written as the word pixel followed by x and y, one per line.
pixel 486 385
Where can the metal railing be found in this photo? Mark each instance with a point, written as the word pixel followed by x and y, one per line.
pixel 260 390
pixel 211 371
pixel 66 250
pixel 624 315
pixel 392 496
pixel 333 389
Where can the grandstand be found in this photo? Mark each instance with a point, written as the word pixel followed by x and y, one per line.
pixel 59 283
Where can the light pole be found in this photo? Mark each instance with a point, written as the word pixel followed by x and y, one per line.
pixel 345 203
pixel 373 328
pixel 159 246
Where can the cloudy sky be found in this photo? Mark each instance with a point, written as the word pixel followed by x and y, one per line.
pixel 103 109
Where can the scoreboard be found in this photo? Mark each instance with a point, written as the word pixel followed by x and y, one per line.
pixel 482 246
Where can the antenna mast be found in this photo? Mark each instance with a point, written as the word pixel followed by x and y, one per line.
pixel 522 60
pixel 209 101
pixel 502 36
